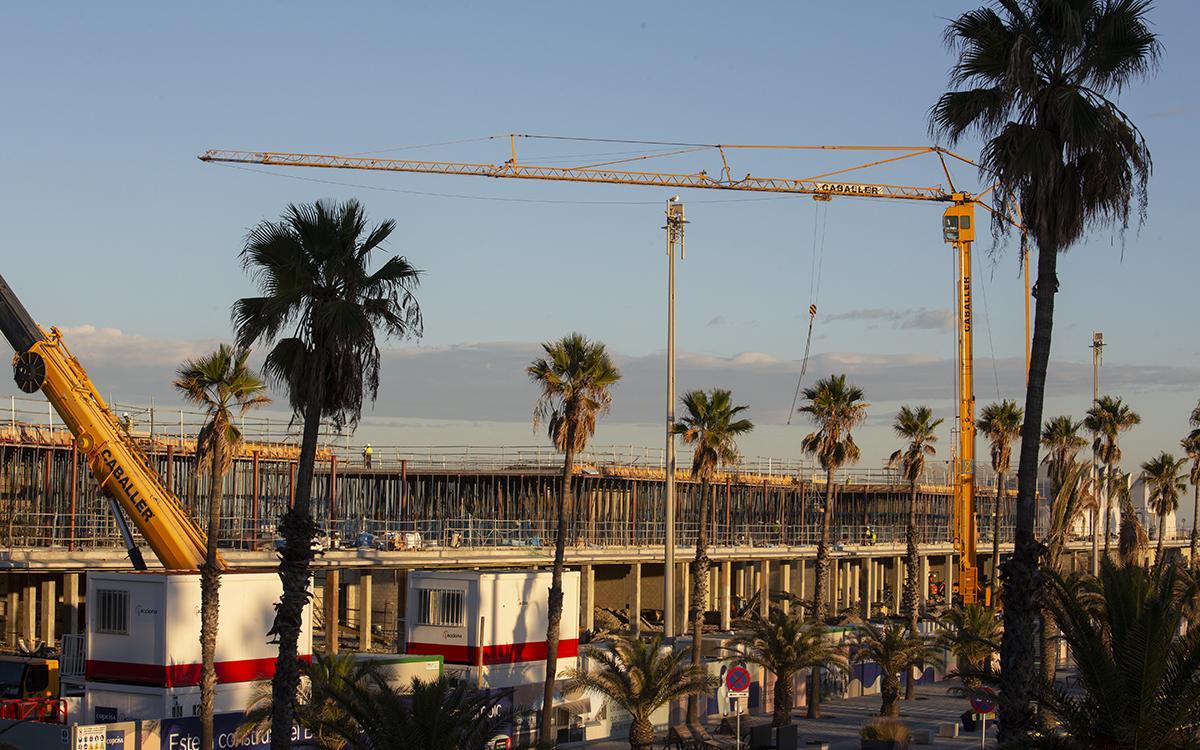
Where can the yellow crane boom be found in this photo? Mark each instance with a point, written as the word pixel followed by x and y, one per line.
pixel 42 362
pixel 958 230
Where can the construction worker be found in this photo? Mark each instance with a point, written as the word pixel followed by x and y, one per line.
pixel 367 456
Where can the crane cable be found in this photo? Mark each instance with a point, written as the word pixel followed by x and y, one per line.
pixel 820 220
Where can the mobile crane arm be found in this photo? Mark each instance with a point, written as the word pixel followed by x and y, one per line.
pixel 122 470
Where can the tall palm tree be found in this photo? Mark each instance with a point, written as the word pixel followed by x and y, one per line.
pixel 1191 445
pixel 972 634
pixel 574 377
pixel 1139 679
pixel 1034 78
pixel 319 310
pixel 711 425
pixel 1108 418
pixel 918 429
pixel 220 383
pixel 894 649
pixel 640 677
pixel 836 408
pixel 1165 485
pixel 1062 441
pixel 1000 423
pixel 784 644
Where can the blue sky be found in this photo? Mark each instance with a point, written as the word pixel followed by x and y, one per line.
pixel 113 223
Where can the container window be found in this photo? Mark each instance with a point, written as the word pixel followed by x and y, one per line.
pixel 440 607
pixel 112 612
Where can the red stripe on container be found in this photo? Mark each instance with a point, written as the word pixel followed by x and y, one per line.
pixel 502 653
pixel 181 675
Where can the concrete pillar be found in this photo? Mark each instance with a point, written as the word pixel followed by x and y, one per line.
pixel 365 603
pixel 684 581
pixel 726 594
pixel 587 598
pixel 401 610
pixel 28 629
pixel 352 603
pixel 923 582
pixel 635 598
pixel 49 611
pixel 835 578
pixel 869 595
pixel 802 586
pixel 856 582
pixel 785 578
pixel 12 606
pixel 765 578
pixel 71 603
pixel 949 578
pixel 898 575
pixel 330 593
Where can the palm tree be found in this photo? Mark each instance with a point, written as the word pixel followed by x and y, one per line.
pixel 1108 418
pixel 919 429
pixel 640 677
pixel 894 649
pixel 1166 484
pixel 836 408
pixel 369 713
pixel 1131 538
pixel 319 311
pixel 1139 679
pixel 1062 441
pixel 1191 445
pixel 1074 494
pixel 1034 77
pixel 712 426
pixel 784 644
pixel 1000 423
pixel 220 383
pixel 574 378
pixel 972 633
pixel 316 707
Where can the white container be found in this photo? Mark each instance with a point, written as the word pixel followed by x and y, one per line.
pixel 143 642
pixel 494 618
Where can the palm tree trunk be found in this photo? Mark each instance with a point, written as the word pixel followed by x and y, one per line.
pixel 1108 468
pixel 210 585
pixel 911 603
pixel 1195 517
pixel 546 734
pixel 994 580
pixel 889 691
pixel 699 595
pixel 1022 577
pixel 820 586
pixel 1162 530
pixel 641 734
pixel 782 715
pixel 298 530
pixel 1095 538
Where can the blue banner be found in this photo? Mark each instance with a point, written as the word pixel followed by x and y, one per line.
pixel 184 734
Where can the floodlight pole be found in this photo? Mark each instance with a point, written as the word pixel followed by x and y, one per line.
pixel 674 227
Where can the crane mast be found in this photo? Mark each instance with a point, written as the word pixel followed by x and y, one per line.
pixel 958 230
pixel 42 362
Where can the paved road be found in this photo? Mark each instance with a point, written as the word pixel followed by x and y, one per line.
pixel 842 719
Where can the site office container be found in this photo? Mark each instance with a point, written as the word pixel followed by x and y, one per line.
pixel 143 643
pixel 489 626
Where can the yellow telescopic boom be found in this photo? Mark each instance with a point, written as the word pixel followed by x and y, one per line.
pixel 122 470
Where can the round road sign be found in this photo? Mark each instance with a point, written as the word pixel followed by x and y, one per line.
pixel 984 704
pixel 737 679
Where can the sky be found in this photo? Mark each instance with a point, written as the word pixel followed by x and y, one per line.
pixel 118 234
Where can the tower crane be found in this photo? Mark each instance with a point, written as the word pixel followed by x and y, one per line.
pixel 958 229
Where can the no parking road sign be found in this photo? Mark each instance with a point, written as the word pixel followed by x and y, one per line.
pixel 737 680
pixel 984 704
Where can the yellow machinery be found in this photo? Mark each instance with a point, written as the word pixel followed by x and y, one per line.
pixel 28 678
pixel 122 470
pixel 958 230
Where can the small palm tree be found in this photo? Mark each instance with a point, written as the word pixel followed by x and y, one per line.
pixel 1037 81
pixel 712 426
pixel 1062 441
pixel 1132 540
pixel 836 408
pixel 1108 418
pixel 1165 484
pixel 319 310
pixel 1139 680
pixel 1191 445
pixel 894 650
pixel 918 429
pixel 220 383
pixel 785 644
pixel 574 377
pixel 1075 494
pixel 1000 423
pixel 640 677
pixel 972 633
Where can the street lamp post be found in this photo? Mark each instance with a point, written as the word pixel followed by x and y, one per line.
pixel 674 227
